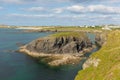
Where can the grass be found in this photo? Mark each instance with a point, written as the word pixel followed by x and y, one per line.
pixel 69 34
pixel 74 28
pixel 109 66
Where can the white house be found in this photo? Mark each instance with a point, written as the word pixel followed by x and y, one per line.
pixel 106 27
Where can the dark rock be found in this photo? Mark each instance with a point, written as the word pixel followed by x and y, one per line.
pixel 59 45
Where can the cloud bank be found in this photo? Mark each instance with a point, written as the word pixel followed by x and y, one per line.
pixel 60 11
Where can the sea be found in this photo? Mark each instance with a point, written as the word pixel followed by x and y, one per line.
pixel 19 66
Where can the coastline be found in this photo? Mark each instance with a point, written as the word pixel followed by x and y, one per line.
pixel 55 59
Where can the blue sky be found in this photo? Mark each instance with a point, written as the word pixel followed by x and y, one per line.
pixel 59 12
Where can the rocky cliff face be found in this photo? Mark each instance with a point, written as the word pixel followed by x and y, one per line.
pixel 60 45
pixel 100 38
pixel 60 49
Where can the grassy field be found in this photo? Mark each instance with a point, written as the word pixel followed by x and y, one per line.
pixel 109 65
pixel 72 28
pixel 69 34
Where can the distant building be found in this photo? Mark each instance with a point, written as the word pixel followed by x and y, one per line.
pixel 106 27
pixel 93 26
pixel 86 26
pixel 114 26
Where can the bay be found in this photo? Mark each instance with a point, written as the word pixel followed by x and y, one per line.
pixel 18 66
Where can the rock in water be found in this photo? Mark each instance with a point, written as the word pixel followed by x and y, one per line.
pixel 58 49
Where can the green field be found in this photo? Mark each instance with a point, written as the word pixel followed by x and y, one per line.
pixel 68 34
pixel 74 28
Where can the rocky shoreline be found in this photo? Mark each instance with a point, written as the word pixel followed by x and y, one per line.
pixel 53 59
pixel 56 59
pixel 60 50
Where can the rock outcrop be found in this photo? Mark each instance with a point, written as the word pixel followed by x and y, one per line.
pixel 59 45
pixel 59 49
pixel 91 62
pixel 100 38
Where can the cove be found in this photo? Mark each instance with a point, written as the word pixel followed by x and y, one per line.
pixel 16 66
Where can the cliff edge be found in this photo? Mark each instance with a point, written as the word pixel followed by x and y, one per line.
pixel 105 63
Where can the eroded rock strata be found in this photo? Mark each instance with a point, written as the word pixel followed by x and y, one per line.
pixel 59 49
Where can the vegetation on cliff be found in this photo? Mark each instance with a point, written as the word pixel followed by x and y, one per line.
pixel 107 59
pixel 69 34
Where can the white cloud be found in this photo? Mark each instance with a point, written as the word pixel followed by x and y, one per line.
pixel 76 8
pixel 30 1
pixel 99 9
pixel 103 9
pixel 31 16
pixel 94 1
pixel 66 18
pixel 45 16
pixel 70 16
pixel 58 10
pixel 36 9
pixel 74 17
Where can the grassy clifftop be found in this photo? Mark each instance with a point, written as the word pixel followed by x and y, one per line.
pixel 69 34
pixel 109 65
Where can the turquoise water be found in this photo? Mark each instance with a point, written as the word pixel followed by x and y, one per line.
pixel 18 66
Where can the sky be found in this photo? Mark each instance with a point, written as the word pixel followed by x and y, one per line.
pixel 59 12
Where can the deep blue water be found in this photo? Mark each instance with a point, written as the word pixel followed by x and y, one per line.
pixel 18 66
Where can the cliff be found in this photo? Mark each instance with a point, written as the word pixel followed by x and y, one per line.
pixel 100 38
pixel 105 63
pixel 59 49
pixel 60 44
